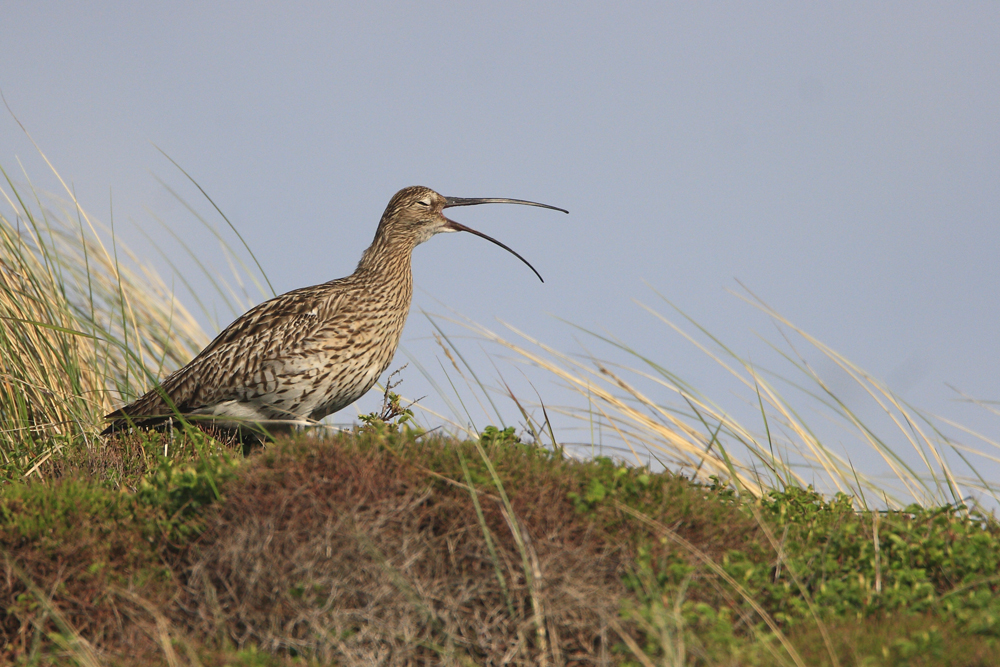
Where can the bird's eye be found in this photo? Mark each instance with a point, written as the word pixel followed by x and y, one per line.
pixel 424 202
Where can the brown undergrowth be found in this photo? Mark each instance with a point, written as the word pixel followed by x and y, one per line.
pixel 361 553
pixel 88 562
pixel 399 549
pixel 80 566
pixel 360 549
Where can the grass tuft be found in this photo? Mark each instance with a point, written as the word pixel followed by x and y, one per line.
pixel 79 331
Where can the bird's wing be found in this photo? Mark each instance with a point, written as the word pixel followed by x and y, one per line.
pixel 233 365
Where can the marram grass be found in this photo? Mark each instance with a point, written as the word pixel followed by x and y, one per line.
pixel 83 324
pixel 924 459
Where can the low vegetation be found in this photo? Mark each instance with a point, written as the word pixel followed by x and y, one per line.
pixel 399 548
pixel 393 544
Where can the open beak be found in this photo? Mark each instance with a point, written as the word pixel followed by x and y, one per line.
pixel 464 201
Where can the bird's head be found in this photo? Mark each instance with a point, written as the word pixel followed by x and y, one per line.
pixel 417 213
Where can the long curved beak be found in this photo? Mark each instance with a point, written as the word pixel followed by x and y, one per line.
pixel 465 201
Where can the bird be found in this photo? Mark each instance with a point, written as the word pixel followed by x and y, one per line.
pixel 307 353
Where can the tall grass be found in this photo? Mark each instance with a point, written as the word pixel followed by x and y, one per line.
pixel 84 324
pixel 645 411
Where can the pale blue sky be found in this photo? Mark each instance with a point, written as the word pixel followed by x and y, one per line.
pixel 841 160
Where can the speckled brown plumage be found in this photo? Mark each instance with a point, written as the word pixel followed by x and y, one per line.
pixel 312 351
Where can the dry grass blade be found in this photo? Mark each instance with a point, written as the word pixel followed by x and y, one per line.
pixel 631 643
pixel 535 583
pixel 162 625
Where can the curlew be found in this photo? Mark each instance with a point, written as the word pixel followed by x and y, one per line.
pixel 308 353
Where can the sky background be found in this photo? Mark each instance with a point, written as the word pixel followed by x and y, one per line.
pixel 842 161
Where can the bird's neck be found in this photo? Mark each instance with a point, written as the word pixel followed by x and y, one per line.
pixel 386 263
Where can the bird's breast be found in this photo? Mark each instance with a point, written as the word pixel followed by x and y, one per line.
pixel 351 359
